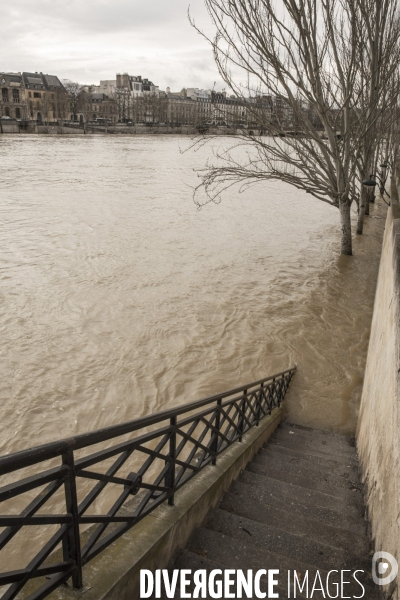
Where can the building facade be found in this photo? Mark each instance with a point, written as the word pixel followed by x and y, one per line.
pixel 136 85
pixel 13 98
pixel 103 107
pixel 45 97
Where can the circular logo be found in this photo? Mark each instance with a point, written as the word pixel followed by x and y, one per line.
pixel 380 568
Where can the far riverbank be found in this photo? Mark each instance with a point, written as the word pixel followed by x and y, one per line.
pixel 12 126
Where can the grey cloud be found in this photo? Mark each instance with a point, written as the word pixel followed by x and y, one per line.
pixel 89 40
pixel 106 15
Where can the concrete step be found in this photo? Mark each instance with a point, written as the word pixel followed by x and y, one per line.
pixel 352 496
pixel 311 450
pixel 342 477
pixel 295 493
pixel 277 540
pixel 325 461
pixel 194 562
pixel 239 502
pixel 298 507
pixel 329 445
pixel 235 554
pixel 308 434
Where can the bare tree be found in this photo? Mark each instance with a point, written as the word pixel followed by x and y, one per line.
pixel 45 107
pixel 74 91
pixel 305 53
pixel 85 104
pixel 124 104
pixel 61 105
pixel 377 86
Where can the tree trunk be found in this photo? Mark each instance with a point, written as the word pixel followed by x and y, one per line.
pixel 361 211
pixel 346 247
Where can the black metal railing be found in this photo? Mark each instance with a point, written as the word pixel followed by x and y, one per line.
pixel 168 449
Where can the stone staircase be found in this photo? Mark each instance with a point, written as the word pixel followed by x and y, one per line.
pixel 297 507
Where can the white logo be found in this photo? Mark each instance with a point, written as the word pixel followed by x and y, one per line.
pixel 380 568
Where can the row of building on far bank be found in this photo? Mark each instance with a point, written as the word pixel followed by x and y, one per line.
pixel 132 99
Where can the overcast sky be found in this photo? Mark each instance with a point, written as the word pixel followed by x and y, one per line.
pixel 89 40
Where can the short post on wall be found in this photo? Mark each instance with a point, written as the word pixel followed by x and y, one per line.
pixel 71 541
pixel 371 182
pixel 170 477
pixel 214 444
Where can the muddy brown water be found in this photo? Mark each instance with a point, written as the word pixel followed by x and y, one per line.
pixel 118 298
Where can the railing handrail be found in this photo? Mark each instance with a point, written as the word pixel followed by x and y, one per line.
pixel 164 459
pixel 23 458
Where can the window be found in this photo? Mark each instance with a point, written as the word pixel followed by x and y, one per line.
pixel 30 94
pixel 37 95
pixel 4 94
pixel 17 113
pixel 15 94
pixel 7 111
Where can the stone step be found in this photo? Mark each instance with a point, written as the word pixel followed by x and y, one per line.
pixel 312 450
pixel 239 502
pixel 277 540
pixel 235 554
pixel 325 461
pixel 340 478
pixel 298 507
pixel 352 496
pixel 295 493
pixel 316 434
pixel 295 505
pixel 324 443
pixel 193 561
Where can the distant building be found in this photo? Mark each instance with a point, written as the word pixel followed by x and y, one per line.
pixel 204 106
pixel 107 87
pixel 13 99
pixel 103 107
pixel 44 95
pixel 137 86
pixel 178 109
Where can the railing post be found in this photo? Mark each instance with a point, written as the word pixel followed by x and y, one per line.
pixel 241 417
pixel 72 542
pixel 214 444
pixel 170 477
pixel 259 411
pixel 274 393
pixel 279 391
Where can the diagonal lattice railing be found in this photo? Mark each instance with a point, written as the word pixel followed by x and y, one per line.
pixel 90 495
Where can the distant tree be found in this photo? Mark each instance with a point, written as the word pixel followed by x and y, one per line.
pixel 45 107
pixel 124 104
pixel 74 91
pixel 61 105
pixel 84 106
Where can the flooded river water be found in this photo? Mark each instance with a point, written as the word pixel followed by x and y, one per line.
pixel 118 298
